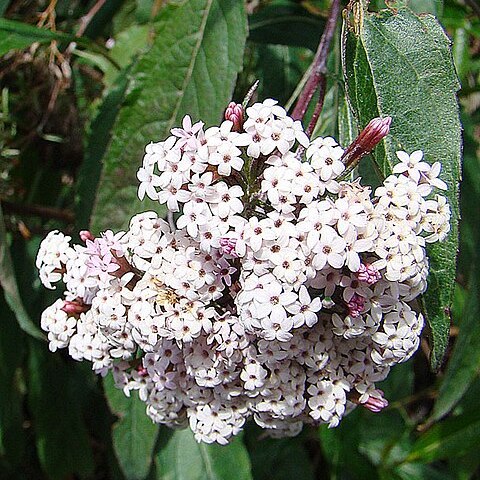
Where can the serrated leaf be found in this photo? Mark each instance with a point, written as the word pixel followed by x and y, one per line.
pixel 464 364
pixel 61 437
pixel 134 434
pixel 450 438
pixel 17 35
pixel 286 23
pixel 183 458
pixel 401 65
pixel 190 69
pixel 10 288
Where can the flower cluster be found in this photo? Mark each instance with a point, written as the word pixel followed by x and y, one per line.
pixel 283 293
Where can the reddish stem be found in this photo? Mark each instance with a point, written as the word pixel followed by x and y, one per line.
pixel 319 66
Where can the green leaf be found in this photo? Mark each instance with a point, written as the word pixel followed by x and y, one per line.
pixel 98 141
pixel 190 69
pixel 278 459
pixel 464 364
pixel 450 438
pixel 12 433
pixel 183 458
pixel 286 23
pixel 435 7
pixel 61 437
pixel 345 442
pixel 134 434
pixel 421 98
pixel 17 35
pixel 128 43
pixel 3 6
pixel 10 288
pixel 279 68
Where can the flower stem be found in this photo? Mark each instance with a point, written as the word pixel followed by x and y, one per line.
pixel 319 68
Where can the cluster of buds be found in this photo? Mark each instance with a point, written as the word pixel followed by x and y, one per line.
pixel 284 292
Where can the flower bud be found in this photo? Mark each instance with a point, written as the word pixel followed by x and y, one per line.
pixel 369 137
pixel 375 404
pixel 234 113
pixel 86 235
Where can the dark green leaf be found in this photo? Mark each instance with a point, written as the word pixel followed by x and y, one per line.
pixel 61 437
pixel 134 434
pixel 12 435
pixel 449 438
pixel 98 141
pixel 191 69
pixel 464 363
pixel 345 442
pixel 421 99
pixel 10 288
pixel 183 458
pixel 278 459
pixel 17 35
pixel 286 23
pixel 279 69
pixel 469 192
pixel 3 6
pixel 128 44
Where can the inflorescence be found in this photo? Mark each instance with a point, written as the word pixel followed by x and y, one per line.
pixel 283 293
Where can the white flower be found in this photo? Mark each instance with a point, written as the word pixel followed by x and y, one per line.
pixel 411 164
pixel 330 249
pixel 305 310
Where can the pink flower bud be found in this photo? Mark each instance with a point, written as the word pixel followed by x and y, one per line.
pixel 368 273
pixel 369 137
pixel 142 371
pixel 234 113
pixel 74 308
pixel 86 235
pixel 227 246
pixel 356 305
pixel 376 404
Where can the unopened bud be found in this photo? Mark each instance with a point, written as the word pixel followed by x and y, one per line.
pixel 227 246
pixel 369 138
pixel 368 273
pixel 356 305
pixel 234 113
pixel 75 307
pixel 376 404
pixel 86 235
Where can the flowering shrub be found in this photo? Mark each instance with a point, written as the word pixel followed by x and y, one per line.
pixel 284 290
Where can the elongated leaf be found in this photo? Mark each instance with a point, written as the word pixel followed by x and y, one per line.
pixel 134 434
pixel 12 434
pixel 182 458
pixel 449 438
pixel 191 69
pixel 10 288
pixel 100 135
pixel 401 65
pixel 464 363
pixel 17 35
pixel 61 437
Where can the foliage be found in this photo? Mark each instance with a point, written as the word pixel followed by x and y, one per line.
pixel 74 120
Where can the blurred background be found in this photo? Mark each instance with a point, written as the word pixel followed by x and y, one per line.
pixel 70 74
